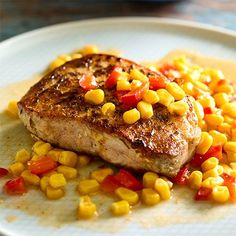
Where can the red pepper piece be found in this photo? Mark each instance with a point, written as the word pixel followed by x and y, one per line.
pixel 88 82
pixel 203 194
pixel 127 180
pixel 221 82
pixel 119 94
pixel 157 83
pixel 182 176
pixel 207 110
pixel 42 165
pixel 15 186
pixel 230 182
pixel 110 184
pixel 165 70
pixel 113 77
pixel 3 172
pixel 214 151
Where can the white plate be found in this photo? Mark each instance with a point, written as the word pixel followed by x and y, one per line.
pixel 140 39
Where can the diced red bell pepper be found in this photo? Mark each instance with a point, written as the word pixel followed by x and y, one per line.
pixel 42 165
pixel 230 182
pixel 203 194
pixel 113 77
pixel 165 69
pixel 3 172
pixel 88 82
pixel 119 94
pixel 157 83
pixel 127 180
pixel 207 110
pixel 214 151
pixel 15 186
pixel 131 98
pixel 182 176
pixel 110 184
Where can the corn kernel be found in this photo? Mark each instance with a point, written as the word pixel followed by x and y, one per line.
pixel 101 174
pixel 126 194
pixel 151 97
pixel 22 156
pixel 201 86
pixel 123 85
pixel 225 88
pixel 218 138
pixel 229 109
pixel 211 173
pixel 75 56
pixel 175 90
pixel 228 119
pixel 207 101
pixel 149 179
pixel 188 88
pixel 95 96
pixel 150 197
pixel 56 63
pixel 120 208
pixel 89 49
pixel 41 148
pixel 230 146
pixel 221 98
pixel 83 160
pixel 178 108
pixel 108 109
pixel 57 181
pixel 227 169
pixel 68 158
pixel 44 182
pixel 54 154
pixel 65 57
pixel 233 165
pixel 145 109
pixel 54 193
pixel 30 178
pixel 135 84
pixel 205 143
pixel 67 171
pixel 220 194
pixel 87 209
pixel 214 119
pixel 195 179
pixel 209 164
pixel 131 116
pixel 231 156
pixel 211 182
pixel 198 110
pixel 165 98
pixel 138 75
pixel 16 168
pixel 225 128
pixel 88 186
pixel 203 125
pixel 220 169
pixel 12 108
pixel 50 173
pixel 35 158
pixel 170 184
pixel 162 187
pixel 233 134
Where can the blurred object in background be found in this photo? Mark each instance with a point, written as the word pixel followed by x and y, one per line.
pixel 18 16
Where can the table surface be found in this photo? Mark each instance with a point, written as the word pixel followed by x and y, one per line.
pixel 18 16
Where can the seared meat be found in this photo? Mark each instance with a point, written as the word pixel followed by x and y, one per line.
pixel 55 111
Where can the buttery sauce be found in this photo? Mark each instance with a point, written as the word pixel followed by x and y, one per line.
pixel 181 209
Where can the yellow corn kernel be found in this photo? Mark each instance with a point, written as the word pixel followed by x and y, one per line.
pixel 41 148
pixel 123 85
pixel 50 173
pixel 126 194
pixel 230 146
pixel 95 96
pixel 54 154
pixel 135 74
pixel 162 187
pixel 203 125
pixel 101 174
pixel 108 108
pixel 149 179
pixel 225 128
pixel 218 138
pixel 170 184
pixel 227 169
pixel 175 90
pixel 120 208
pixel 65 57
pixel 221 98
pixel 135 84
pixel 207 101
pixel 22 156
pixel 12 108
pixel 44 182
pixel 88 186
pixel 87 209
pixel 35 158
pixel 83 160
pixel 67 171
pixel 188 88
pixel 198 110
pixel 214 119
pixel 195 179
pixel 89 49
pixel 30 178
pixel 211 182
pixel 209 164
pixel 228 119
pixel 233 165
pixel 201 86
pixel 191 75
pixel 225 88
pixel 229 109
pixel 16 168
pixel 220 194
pixel 165 98
pixel 145 109
pixel 178 108
pixel 54 193
pixel 205 143
pixel 57 181
pixel 151 97
pixel 68 158
pixel 231 156
pixel 56 63
pixel 131 116
pixel 75 56
pixel 211 173
pixel 150 197
pixel 233 134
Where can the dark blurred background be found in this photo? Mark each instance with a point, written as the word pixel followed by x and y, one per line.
pixel 18 16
